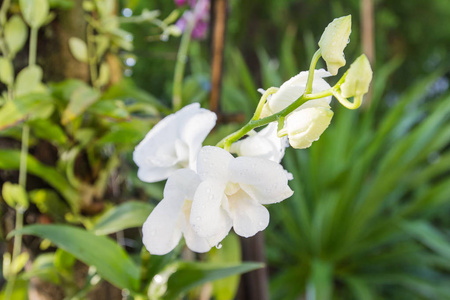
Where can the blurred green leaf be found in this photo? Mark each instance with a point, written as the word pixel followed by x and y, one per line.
pixel 48 202
pixel 49 131
pixel 320 286
pixel 6 71
pixel 126 89
pixel 34 11
pixel 230 252
pixel 64 261
pixel 81 98
pixel 28 80
pixel 10 116
pixel 189 275
pixel 20 291
pixel 127 215
pixel 16 34
pixel 429 236
pixel 110 260
pixel 10 160
pixel 15 195
pixel 78 48
pixel 61 4
pixel 104 74
pixel 114 109
pixel 43 267
pixel 29 106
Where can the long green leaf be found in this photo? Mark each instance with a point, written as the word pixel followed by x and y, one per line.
pixel 190 275
pixel 10 160
pixel 429 236
pixel 111 261
pixel 127 215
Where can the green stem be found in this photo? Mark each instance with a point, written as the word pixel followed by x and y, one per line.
pixel 312 67
pixel 357 100
pixel 262 101
pixel 33 46
pixel 19 211
pixel 92 56
pixel 228 140
pixel 181 64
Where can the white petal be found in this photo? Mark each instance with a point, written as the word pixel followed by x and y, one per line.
pixel 195 130
pixel 161 232
pixel 213 163
pixel 162 148
pixel 181 185
pixel 249 217
pixel 193 240
pixel 271 148
pixel 208 218
pixel 305 126
pixel 292 89
pixel 264 180
pixel 155 174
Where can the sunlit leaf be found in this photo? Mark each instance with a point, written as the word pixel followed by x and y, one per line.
pixel 111 261
pixel 127 215
pixel 10 160
pixel 6 71
pixel 15 195
pixel 189 275
pixel 34 11
pixel 28 80
pixel 78 48
pixel 80 100
pixel 16 34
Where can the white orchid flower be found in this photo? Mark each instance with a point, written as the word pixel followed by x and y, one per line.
pixel 232 194
pixel 169 220
pixel 173 143
pixel 263 144
pixel 292 89
pixel 305 126
pixel 333 42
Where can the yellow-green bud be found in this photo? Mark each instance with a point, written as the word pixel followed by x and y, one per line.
pixel 358 78
pixel 333 41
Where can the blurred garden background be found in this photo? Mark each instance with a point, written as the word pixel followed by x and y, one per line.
pixel 82 82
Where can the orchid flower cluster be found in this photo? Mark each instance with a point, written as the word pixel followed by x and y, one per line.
pixel 209 191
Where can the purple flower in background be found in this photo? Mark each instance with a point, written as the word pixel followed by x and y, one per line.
pixel 180 2
pixel 199 12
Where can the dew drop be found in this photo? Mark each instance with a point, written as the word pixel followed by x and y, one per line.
pixel 219 245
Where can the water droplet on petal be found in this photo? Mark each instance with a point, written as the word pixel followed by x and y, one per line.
pixel 219 245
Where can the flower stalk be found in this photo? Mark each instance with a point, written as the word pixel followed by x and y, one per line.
pixel 177 102
pixel 230 139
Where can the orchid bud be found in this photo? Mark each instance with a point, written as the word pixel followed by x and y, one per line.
pixel 358 78
pixel 333 41
pixel 305 126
